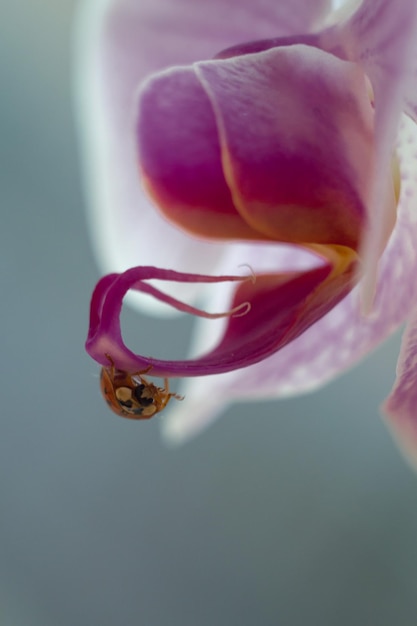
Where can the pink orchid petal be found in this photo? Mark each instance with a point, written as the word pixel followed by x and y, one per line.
pixel 261 45
pixel 401 406
pixel 378 35
pixel 411 93
pixel 344 335
pixel 300 171
pixel 119 43
pixel 336 342
pixel 381 37
pixel 179 156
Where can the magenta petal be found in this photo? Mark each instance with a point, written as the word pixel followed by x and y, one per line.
pixel 301 169
pixel 379 37
pixel 280 308
pixel 179 155
pixel 104 334
pixel 345 335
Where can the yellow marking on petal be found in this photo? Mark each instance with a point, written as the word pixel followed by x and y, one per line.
pixel 396 176
pixel 340 257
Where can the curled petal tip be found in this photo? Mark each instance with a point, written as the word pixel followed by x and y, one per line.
pixel 263 316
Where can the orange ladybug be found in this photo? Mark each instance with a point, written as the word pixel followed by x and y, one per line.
pixel 131 395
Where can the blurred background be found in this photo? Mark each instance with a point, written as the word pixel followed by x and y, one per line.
pixel 296 512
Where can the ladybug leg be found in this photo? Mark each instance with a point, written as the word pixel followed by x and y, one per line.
pixel 113 368
pixel 111 363
pixel 148 369
pixel 142 377
pixel 108 357
pixel 169 395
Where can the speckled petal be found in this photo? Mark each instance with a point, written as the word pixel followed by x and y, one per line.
pixel 382 37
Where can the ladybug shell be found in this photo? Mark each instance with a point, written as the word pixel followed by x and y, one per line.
pixel 126 395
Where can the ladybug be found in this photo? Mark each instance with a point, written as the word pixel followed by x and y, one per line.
pixel 131 395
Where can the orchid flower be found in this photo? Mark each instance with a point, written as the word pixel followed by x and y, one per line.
pixel 268 148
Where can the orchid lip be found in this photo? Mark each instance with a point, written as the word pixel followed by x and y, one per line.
pixel 104 339
pixel 265 313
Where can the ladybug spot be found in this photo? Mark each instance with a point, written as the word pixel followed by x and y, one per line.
pixel 145 401
pixel 137 393
pixel 124 397
pixel 126 403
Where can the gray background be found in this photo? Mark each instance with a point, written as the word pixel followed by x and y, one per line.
pixel 298 512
